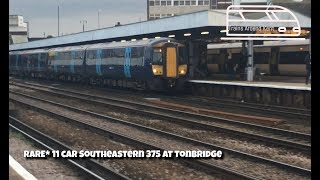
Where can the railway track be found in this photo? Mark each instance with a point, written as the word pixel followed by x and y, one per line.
pixel 285 112
pixel 90 168
pixel 281 111
pixel 291 139
pixel 205 163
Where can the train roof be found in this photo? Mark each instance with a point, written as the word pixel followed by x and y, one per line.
pixel 30 51
pixel 265 44
pixel 69 48
pixel 148 42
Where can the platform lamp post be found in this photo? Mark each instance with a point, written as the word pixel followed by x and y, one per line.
pixel 83 22
pixel 58 21
pixel 99 18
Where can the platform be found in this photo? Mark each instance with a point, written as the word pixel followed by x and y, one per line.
pixel 291 94
pixel 262 84
pixel 17 172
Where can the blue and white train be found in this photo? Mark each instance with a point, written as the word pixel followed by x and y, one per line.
pixel 155 64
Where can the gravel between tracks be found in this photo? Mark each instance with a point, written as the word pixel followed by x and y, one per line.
pixel 261 149
pixel 81 139
pixel 256 169
pixel 40 168
pixel 299 125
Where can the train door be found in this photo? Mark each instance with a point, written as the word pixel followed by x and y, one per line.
pixel 171 62
pixel 274 61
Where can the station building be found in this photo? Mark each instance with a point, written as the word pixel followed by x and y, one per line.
pixel 18 29
pixel 165 8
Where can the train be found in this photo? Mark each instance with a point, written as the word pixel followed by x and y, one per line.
pixel 275 58
pixel 153 64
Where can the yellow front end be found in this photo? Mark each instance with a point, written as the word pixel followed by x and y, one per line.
pixel 171 62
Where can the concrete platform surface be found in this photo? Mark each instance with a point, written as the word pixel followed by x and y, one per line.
pixel 17 172
pixel 265 84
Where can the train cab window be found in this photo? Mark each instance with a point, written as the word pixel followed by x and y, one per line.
pixel 157 56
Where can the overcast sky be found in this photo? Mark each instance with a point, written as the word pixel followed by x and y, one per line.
pixel 42 15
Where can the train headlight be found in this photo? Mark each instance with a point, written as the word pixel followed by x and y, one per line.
pixel 157 69
pixel 182 69
pixel 154 71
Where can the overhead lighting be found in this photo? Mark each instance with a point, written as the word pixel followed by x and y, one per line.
pixel 144 38
pixel 206 32
pixel 187 34
pixel 223 31
pixel 123 40
pixel 133 39
pixel 169 41
pixel 157 37
pixel 172 36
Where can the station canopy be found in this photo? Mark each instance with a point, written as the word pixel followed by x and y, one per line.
pixel 195 25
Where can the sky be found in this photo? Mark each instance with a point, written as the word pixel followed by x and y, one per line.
pixel 42 15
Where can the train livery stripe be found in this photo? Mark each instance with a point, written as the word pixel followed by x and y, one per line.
pixel 39 59
pixel 98 62
pixel 54 62
pixel 127 60
pixel 72 62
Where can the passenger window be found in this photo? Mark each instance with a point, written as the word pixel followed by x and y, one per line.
pixel 157 56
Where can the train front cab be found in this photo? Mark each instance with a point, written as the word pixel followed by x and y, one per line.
pixel 169 66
